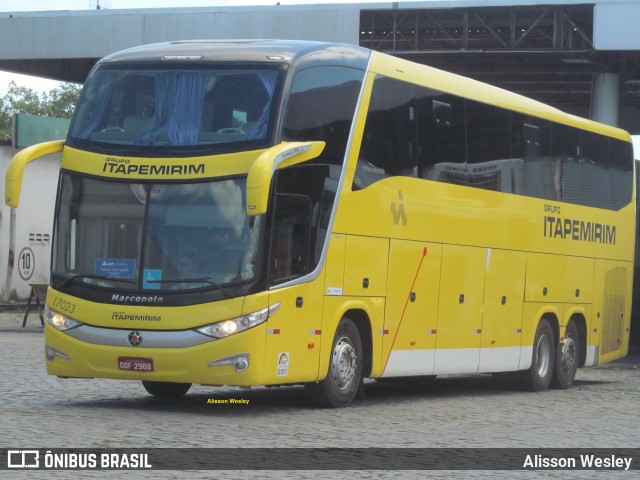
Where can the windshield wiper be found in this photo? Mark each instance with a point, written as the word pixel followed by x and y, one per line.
pixel 73 279
pixel 208 281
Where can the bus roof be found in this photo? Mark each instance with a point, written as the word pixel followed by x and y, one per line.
pixel 270 51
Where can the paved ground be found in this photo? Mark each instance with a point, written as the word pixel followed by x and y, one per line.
pixel 12 317
pixel 39 411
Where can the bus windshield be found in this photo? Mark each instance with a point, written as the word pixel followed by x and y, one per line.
pixel 164 110
pixel 154 236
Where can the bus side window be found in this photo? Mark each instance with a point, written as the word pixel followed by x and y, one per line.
pixel 388 141
pixel 290 238
pixel 441 136
pixel 321 215
pixel 530 141
pixel 620 170
pixel 585 178
pixel 490 164
pixel 303 202
pixel 321 107
pixel 566 152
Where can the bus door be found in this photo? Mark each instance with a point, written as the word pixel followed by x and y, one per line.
pixel 411 310
pixel 611 317
pixel 296 236
pixel 459 328
pixel 502 313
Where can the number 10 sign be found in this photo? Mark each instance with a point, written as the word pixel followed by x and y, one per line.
pixel 26 263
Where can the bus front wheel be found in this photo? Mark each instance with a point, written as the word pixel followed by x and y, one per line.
pixel 344 377
pixel 538 377
pixel 166 389
pixel 567 358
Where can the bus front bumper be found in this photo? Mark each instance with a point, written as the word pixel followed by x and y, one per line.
pixel 234 360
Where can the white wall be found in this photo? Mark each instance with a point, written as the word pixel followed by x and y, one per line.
pixel 34 222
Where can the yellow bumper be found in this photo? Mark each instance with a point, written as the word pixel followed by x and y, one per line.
pixel 70 357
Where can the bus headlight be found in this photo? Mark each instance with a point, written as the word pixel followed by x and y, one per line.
pixel 59 321
pixel 229 327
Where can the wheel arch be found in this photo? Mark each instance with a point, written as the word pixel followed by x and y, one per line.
pixel 581 324
pixel 363 322
pixel 555 324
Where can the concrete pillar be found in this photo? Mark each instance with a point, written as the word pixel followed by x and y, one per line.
pixel 606 98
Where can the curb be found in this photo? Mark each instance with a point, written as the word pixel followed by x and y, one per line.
pixel 26 329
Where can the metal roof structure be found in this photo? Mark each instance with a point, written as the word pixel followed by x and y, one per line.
pixel 549 50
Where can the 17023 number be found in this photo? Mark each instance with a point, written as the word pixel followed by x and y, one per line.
pixel 60 304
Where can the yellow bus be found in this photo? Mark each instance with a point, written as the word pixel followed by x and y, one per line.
pixel 285 212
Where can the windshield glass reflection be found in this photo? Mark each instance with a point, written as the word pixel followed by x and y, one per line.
pixel 154 236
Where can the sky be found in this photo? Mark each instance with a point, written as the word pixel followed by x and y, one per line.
pixel 42 85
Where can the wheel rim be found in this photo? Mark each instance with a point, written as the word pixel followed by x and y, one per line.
pixel 569 354
pixel 344 363
pixel 544 356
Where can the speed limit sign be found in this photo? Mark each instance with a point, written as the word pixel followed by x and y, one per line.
pixel 26 263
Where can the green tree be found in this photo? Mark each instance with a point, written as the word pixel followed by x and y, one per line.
pixel 58 102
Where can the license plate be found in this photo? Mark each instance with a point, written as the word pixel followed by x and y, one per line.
pixel 135 364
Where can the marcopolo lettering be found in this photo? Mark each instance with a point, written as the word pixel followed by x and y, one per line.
pixel 136 298
pixel 579 230
pixel 152 170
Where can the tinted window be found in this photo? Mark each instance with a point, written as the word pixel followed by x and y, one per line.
pixel 489 162
pixel 584 159
pixel 388 141
pixel 321 106
pixel 620 172
pixel 441 136
pixel 531 142
pixel 176 109
pixel 142 236
pixel 411 129
pixel 303 200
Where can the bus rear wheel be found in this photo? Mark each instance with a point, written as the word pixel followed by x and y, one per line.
pixel 567 358
pixel 538 377
pixel 166 389
pixel 344 377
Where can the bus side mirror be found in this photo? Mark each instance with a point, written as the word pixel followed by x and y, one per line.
pixel 15 170
pixel 261 172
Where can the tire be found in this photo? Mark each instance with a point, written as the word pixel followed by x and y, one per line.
pixel 538 377
pixel 567 358
pixel 166 389
pixel 344 377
